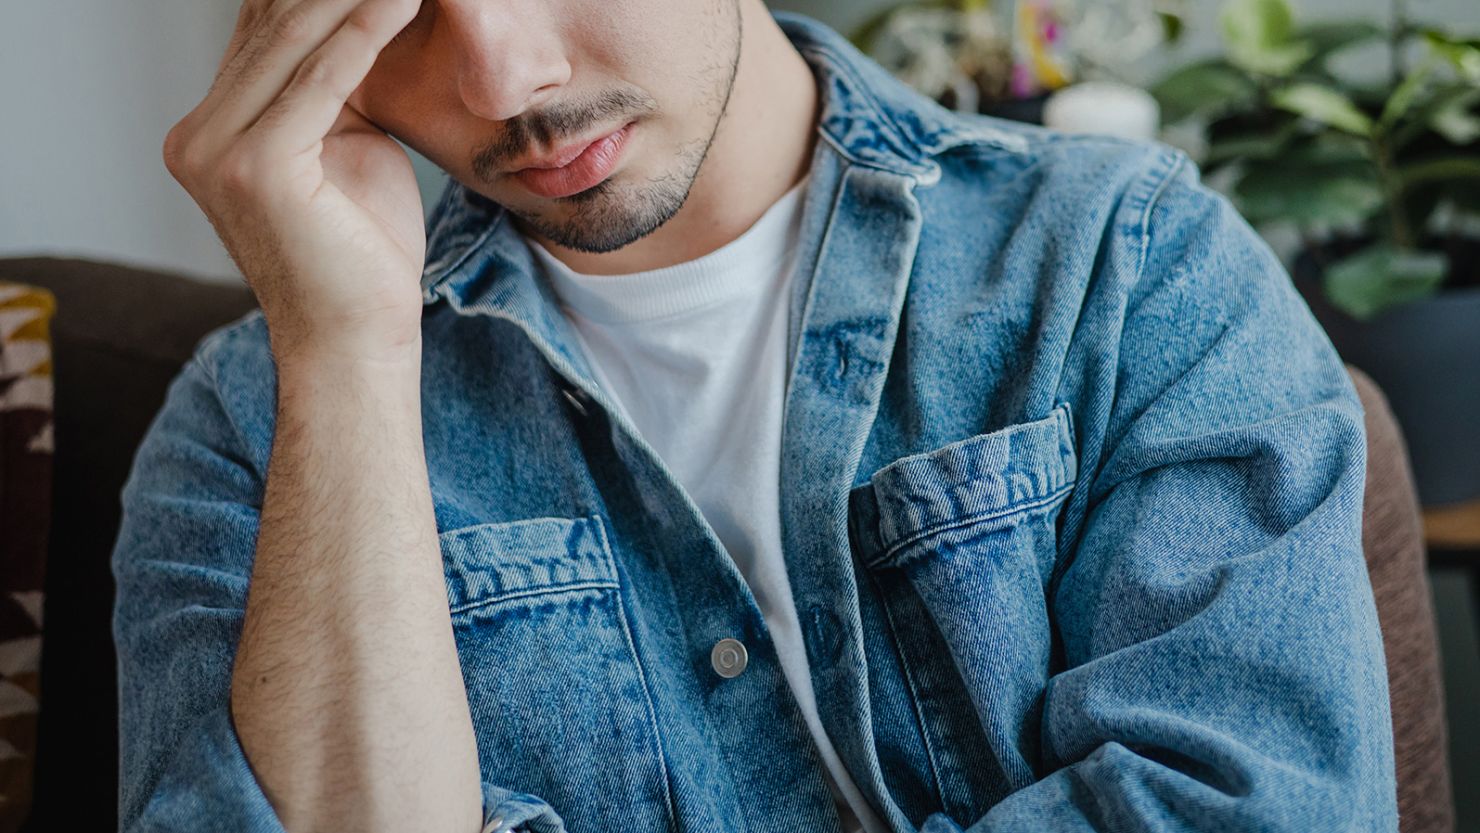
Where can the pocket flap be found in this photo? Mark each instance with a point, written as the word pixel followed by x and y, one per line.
pixel 494 561
pixel 997 473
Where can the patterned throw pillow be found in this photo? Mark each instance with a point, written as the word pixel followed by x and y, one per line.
pixel 25 512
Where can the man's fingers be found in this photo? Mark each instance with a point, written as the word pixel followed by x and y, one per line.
pixel 263 66
pixel 246 22
pixel 315 97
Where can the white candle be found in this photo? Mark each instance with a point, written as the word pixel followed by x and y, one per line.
pixel 1104 107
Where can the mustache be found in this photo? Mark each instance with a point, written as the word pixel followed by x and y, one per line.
pixel 549 125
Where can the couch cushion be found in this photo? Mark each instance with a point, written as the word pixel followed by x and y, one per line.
pixel 119 336
pixel 25 516
pixel 1392 539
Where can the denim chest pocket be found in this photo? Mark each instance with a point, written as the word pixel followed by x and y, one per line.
pixel 918 507
pixel 957 544
pixel 559 698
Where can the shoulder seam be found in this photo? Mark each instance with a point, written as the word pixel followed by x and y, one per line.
pixel 1179 160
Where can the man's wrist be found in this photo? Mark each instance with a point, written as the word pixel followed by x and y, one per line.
pixel 328 361
pixel 350 388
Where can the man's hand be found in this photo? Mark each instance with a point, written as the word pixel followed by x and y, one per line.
pixel 346 691
pixel 318 206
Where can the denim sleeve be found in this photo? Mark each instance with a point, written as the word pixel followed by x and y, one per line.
pixel 181 561
pixel 1221 667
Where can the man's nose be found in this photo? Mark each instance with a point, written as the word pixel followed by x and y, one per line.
pixel 510 56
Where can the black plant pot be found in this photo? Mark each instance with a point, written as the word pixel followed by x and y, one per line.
pixel 1028 110
pixel 1425 355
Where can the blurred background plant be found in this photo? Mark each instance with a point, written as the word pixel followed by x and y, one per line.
pixel 1381 180
pixel 1003 59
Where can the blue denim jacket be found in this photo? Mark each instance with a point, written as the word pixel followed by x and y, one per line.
pixel 1071 501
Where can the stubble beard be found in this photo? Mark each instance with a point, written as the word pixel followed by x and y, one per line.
pixel 613 214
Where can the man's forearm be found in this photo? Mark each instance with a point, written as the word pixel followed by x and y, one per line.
pixel 346 692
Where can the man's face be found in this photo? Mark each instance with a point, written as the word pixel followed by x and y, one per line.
pixel 484 88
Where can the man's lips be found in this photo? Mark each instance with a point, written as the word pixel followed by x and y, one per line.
pixel 564 155
pixel 575 167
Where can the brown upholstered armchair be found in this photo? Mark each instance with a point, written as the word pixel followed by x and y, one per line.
pixel 121 333
pixel 1392 538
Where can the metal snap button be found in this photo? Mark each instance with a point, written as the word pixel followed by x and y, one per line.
pixel 728 657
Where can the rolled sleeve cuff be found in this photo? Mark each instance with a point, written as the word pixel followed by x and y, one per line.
pixel 209 786
pixel 506 810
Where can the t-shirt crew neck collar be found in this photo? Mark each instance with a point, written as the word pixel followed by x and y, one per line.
pixel 734 270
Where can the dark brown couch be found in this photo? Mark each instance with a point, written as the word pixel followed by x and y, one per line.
pixel 120 335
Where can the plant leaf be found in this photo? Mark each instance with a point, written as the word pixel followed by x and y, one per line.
pixel 1202 88
pixel 1463 53
pixel 1451 112
pixel 1324 105
pixel 1405 94
pixel 1259 143
pixel 1332 150
pixel 1259 37
pixel 1448 110
pixel 1381 276
pixel 1438 170
pixel 1456 123
pixel 1276 62
pixel 1328 38
pixel 1335 194
pixel 1172 26
pixel 1256 24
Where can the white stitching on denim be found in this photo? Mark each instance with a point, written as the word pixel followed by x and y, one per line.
pixel 542 590
pixel 969 520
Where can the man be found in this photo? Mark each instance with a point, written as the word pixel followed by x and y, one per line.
pixel 763 447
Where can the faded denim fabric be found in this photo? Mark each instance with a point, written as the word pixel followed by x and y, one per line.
pixel 1071 500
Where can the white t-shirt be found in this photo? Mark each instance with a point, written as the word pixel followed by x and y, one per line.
pixel 695 356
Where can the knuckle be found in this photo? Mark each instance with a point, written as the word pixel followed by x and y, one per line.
pixel 369 18
pixel 193 161
pixel 248 15
pixel 295 25
pixel 182 157
pixel 174 151
pixel 315 71
pixel 237 173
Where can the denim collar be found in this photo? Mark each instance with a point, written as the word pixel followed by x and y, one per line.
pixel 877 146
pixel 867 116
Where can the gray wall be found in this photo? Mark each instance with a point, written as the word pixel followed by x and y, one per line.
pixel 88 89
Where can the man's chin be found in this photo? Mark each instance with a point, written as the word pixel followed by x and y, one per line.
pixel 603 218
pixel 574 235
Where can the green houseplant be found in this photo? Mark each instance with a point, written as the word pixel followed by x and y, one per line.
pixel 1380 179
